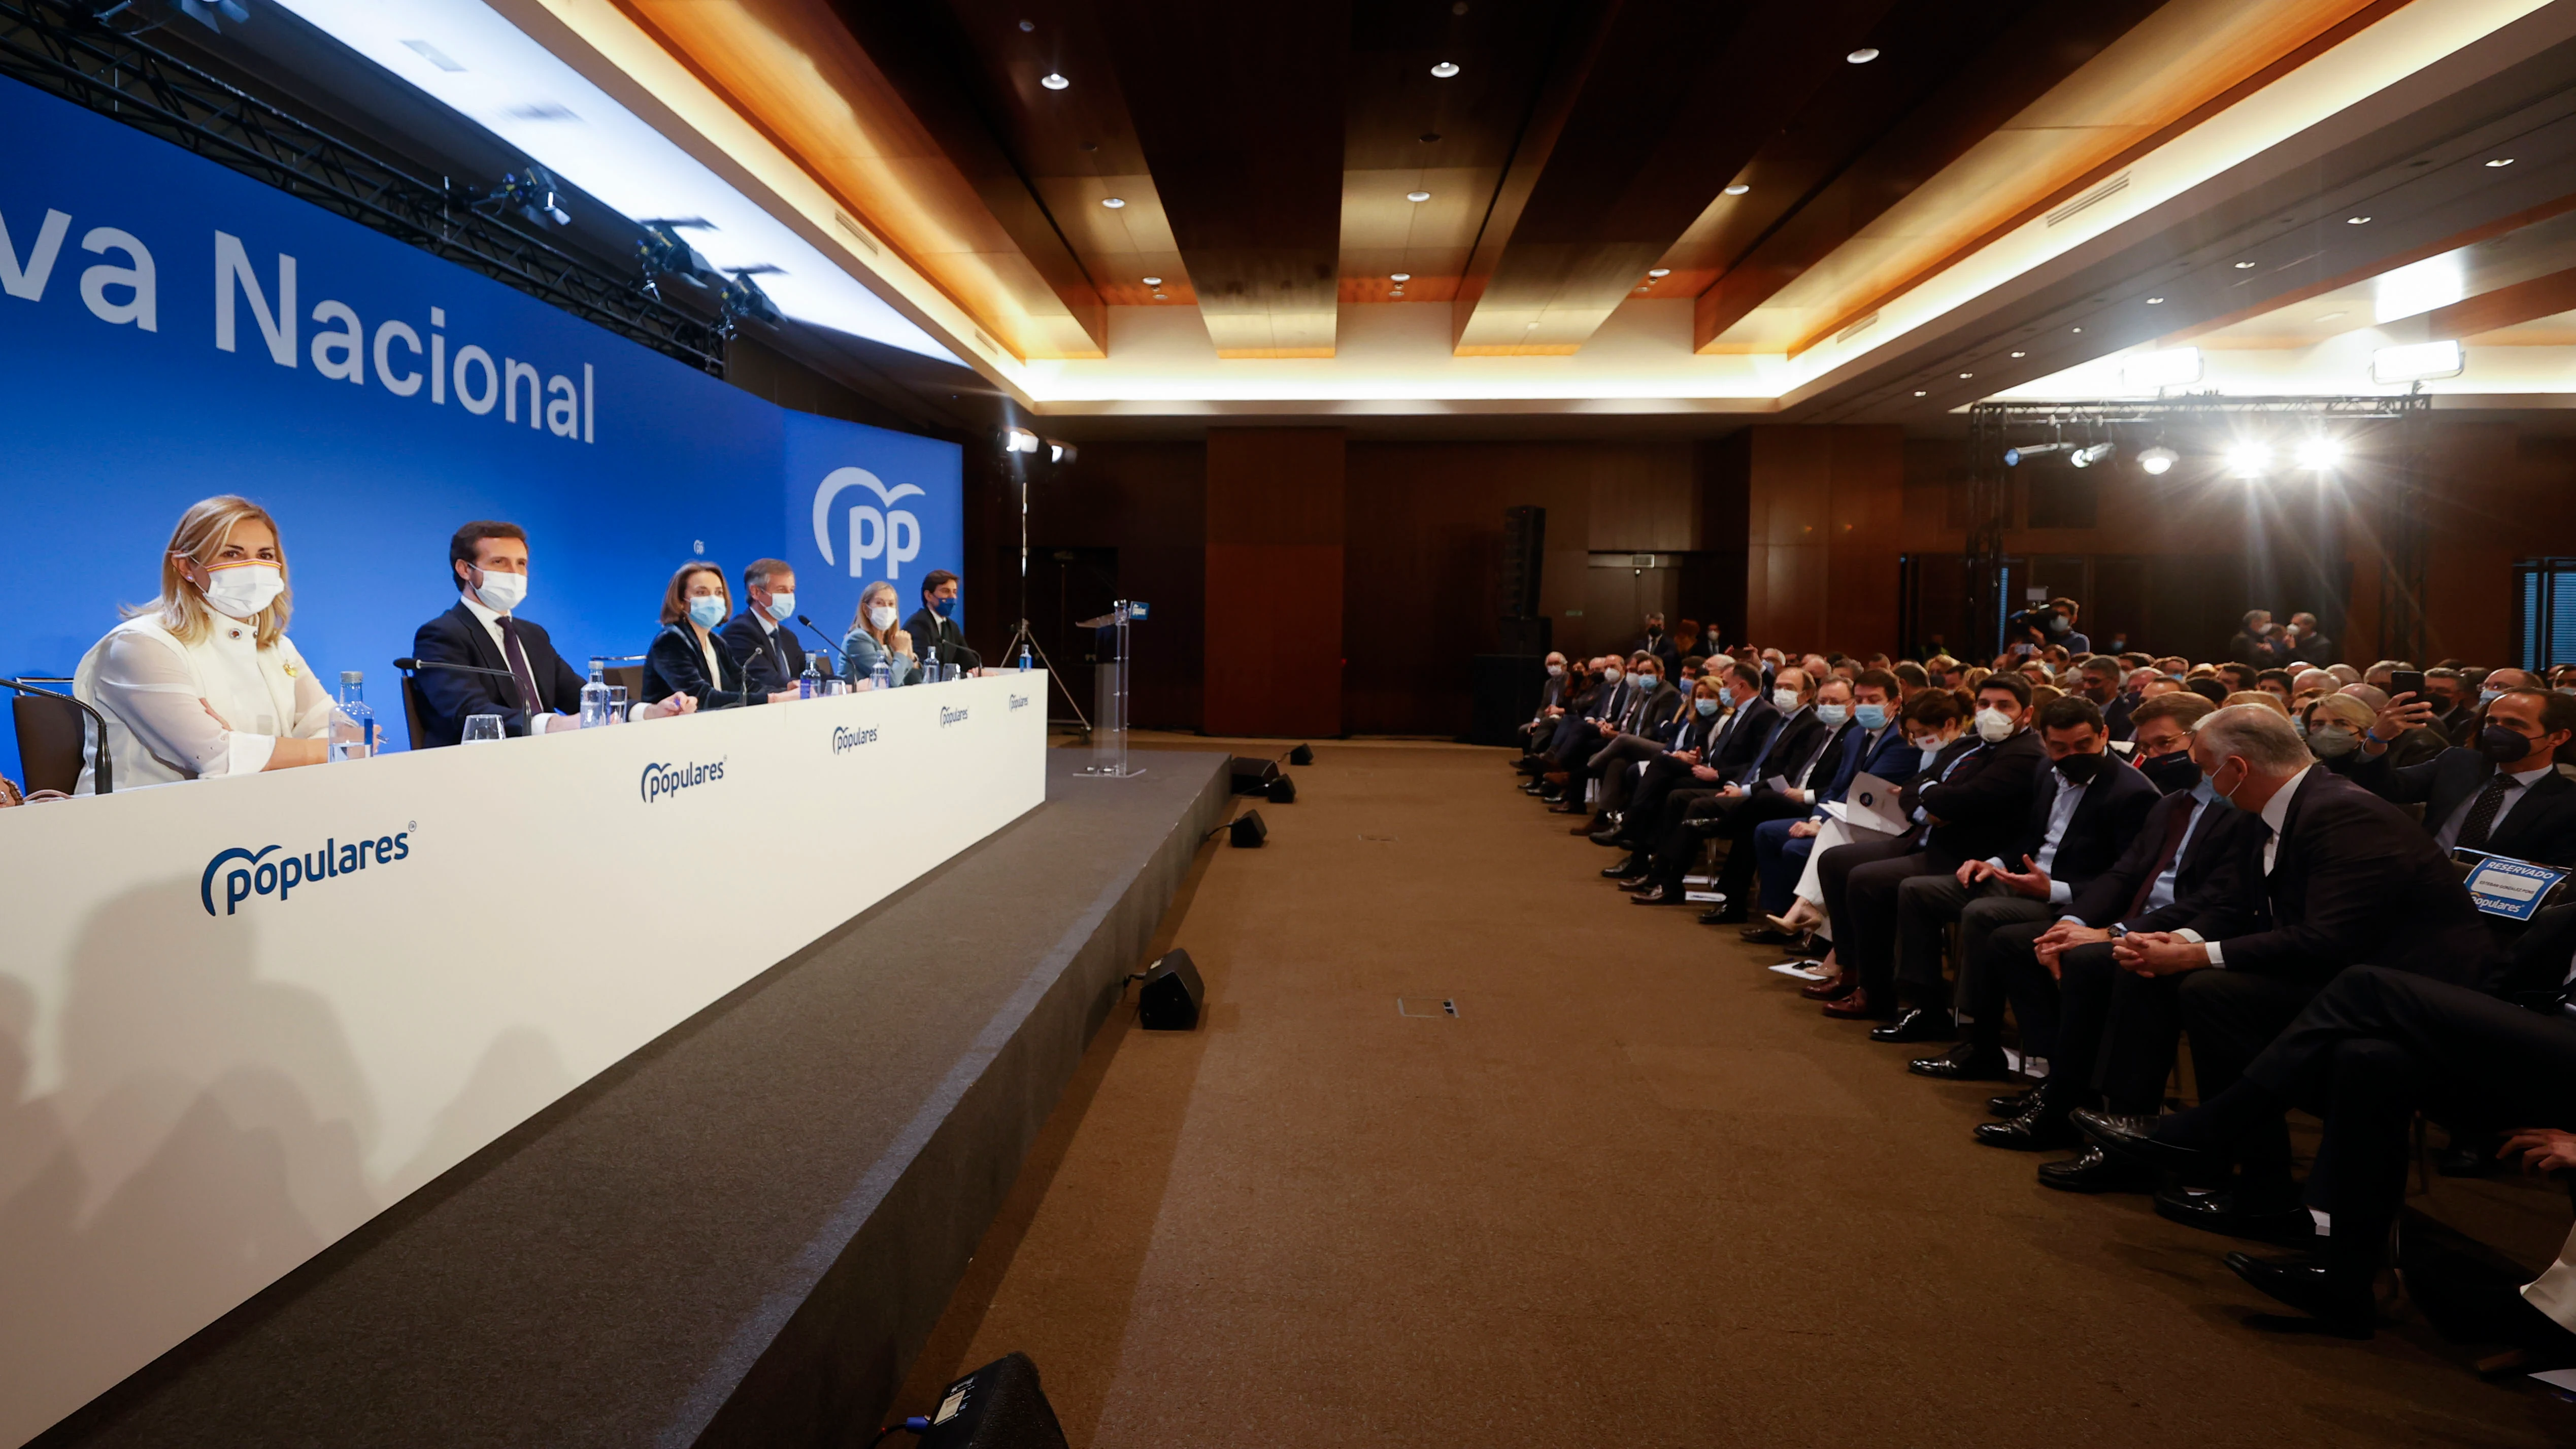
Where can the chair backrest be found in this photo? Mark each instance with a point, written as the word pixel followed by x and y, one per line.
pixel 52 741
pixel 629 677
pixel 411 712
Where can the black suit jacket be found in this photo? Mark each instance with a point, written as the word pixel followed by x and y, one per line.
pixel 674 666
pixel 2538 971
pixel 2105 822
pixel 2115 718
pixel 1983 804
pixel 1642 710
pixel 1791 742
pixel 2541 826
pixel 2213 893
pixel 1744 739
pixel 447 697
pixel 2355 882
pixel 929 631
pixel 1669 723
pixel 749 644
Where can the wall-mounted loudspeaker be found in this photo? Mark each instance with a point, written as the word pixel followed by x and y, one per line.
pixel 1170 997
pixel 998 1406
pixel 1248 830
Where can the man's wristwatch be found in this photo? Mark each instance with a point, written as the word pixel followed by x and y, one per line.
pixel 2118 930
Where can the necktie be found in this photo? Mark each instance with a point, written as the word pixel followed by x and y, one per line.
pixel 2482 814
pixel 2174 831
pixel 519 671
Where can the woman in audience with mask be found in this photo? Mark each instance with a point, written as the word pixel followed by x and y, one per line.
pixel 686 657
pixel 1931 720
pixel 873 636
pixel 2335 724
pixel 203 681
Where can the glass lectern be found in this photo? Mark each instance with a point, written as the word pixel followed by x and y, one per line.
pixel 1109 710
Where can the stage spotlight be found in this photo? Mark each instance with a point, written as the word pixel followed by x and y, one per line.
pixel 1019 440
pixel 2159 459
pixel 1060 452
pixel 2420 362
pixel 740 299
pixel 532 190
pixel 2249 460
pixel 2319 455
pixel 2087 457
pixel 2013 456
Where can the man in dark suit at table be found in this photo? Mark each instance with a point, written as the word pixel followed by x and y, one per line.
pixel 759 638
pixel 490 563
pixel 934 624
pixel 2502 794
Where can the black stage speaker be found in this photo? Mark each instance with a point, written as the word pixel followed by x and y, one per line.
pixel 998 1406
pixel 1282 791
pixel 1524 636
pixel 1524 551
pixel 1503 692
pixel 1248 830
pixel 1169 1000
pixel 1252 776
pixel 1302 755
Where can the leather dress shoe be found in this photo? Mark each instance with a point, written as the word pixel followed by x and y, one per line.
pixel 1611 836
pixel 2134 1138
pixel 2227 1211
pixel 2010 1104
pixel 2038 1129
pixel 1572 805
pixel 1833 990
pixel 1966 1062
pixel 1855 1006
pixel 1916 1023
pixel 1552 793
pixel 2339 1303
pixel 1765 936
pixel 1534 787
pixel 1724 913
pixel 1811 948
pixel 1656 895
pixel 1627 869
pixel 1557 777
pixel 2094 1170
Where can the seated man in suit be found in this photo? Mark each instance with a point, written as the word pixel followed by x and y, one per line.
pixel 1652 703
pixel 1552 696
pixel 2084 811
pixel 2349 881
pixel 934 624
pixel 1746 735
pixel 489 563
pixel 759 638
pixel 1780 784
pixel 2503 795
pixel 2366 1054
pixel 1636 768
pixel 1720 753
pixel 1877 744
pixel 1608 693
pixel 1971 804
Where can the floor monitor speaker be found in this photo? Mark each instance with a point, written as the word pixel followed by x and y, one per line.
pixel 1282 791
pixel 1247 830
pixel 1252 776
pixel 1302 755
pixel 998 1406
pixel 1170 997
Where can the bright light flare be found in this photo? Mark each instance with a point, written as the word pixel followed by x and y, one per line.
pixel 2319 455
pixel 2249 460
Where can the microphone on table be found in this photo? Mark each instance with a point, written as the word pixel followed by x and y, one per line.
pixel 103 781
pixel 414 666
pixel 830 650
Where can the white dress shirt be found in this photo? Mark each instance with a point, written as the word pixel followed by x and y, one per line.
pixel 2522 781
pixel 2060 811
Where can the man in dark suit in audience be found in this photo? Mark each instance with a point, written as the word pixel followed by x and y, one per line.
pixel 1970 805
pixel 1637 733
pixel 1796 752
pixel 2349 880
pixel 1734 745
pixel 2258 644
pixel 2099 681
pixel 1876 744
pixel 1636 789
pixel 2503 794
pixel 2308 643
pixel 934 624
pixel 762 638
pixel 1660 644
pixel 488 563
pixel 2366 1054
pixel 1553 694
pixel 2084 810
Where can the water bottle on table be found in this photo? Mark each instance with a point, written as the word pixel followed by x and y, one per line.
pixel 1024 659
pixel 930 665
pixel 594 697
pixel 353 724
pixel 881 675
pixel 811 684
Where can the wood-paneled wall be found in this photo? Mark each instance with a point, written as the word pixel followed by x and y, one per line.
pixel 1275 525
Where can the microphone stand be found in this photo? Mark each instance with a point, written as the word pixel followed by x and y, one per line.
pixel 414 666
pixel 829 651
pixel 104 778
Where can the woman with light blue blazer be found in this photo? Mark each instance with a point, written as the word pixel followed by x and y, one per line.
pixel 873 636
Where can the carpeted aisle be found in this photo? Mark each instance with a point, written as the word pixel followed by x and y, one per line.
pixel 1634 1192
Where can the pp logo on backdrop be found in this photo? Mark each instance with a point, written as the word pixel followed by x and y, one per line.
pixel 885 532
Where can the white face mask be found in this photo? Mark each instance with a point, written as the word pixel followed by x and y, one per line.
pixel 1785 700
pixel 881 616
pixel 502 593
pixel 1610 676
pixel 1553 670
pixel 782 607
pixel 1993 726
pixel 241 590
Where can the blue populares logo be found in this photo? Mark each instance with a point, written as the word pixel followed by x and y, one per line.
pixel 845 739
pixel 254 874
pixel 661 782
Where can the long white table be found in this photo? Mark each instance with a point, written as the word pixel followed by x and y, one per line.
pixel 238 1018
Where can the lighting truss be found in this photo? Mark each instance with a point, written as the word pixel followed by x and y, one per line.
pixel 59 49
pixel 2399 485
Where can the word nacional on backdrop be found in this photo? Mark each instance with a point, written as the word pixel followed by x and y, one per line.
pixel 170 329
pixel 257 1011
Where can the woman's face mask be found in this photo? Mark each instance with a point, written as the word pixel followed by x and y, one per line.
pixel 1706 707
pixel 241 590
pixel 707 610
pixel 2332 742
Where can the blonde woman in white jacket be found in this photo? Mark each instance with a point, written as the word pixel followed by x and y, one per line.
pixel 203 682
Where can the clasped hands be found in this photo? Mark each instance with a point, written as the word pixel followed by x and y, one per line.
pixel 2158 953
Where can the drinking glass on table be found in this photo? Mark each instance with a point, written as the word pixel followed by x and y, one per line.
pixel 482 727
pixel 617 704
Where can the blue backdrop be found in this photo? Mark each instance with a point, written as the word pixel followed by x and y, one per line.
pixel 170 329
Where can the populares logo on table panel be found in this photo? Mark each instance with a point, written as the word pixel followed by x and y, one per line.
pixel 846 739
pixel 252 873
pixel 664 781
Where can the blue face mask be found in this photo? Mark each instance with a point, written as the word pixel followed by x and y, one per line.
pixel 1832 714
pixel 1872 717
pixel 1706 707
pixel 707 610
pixel 944 608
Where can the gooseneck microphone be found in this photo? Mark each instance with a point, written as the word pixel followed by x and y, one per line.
pixel 414 666
pixel 104 778
pixel 830 650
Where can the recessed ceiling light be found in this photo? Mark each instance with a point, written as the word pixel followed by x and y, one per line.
pixel 2330 316
pixel 2246 266
pixel 1738 189
pixel 2021 354
pixel 1643 288
pixel 1053 81
pixel 1445 69
pixel 1417 196
pixel 2155 301
pixel 1159 297
pixel 1398 292
pixel 1863 56
pixel 2079 329
pixel 1113 202
pixel 1659 271
pixel 1027 25
pixel 2356 221
pixel 1963 377
pixel 2499 162
pixel 1399 278
pixel 1153 281
pixel 1918 392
